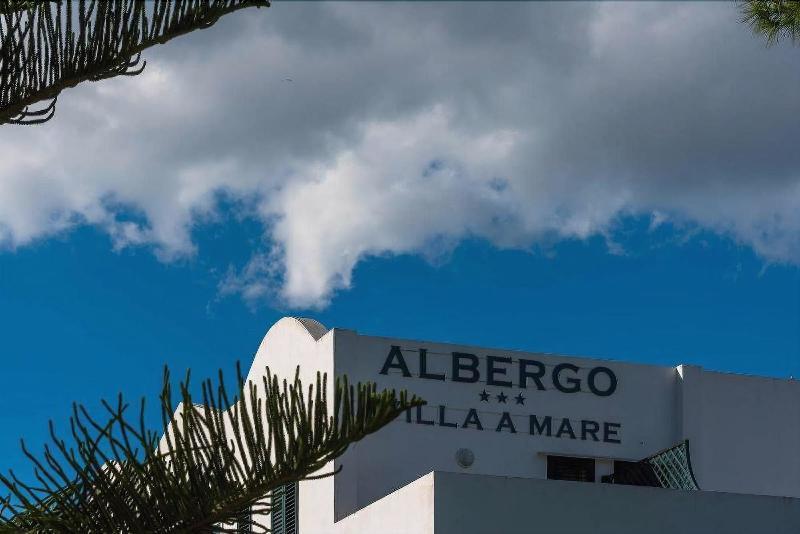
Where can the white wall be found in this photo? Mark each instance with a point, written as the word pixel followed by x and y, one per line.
pixel 744 431
pixel 288 343
pixel 470 504
pixel 409 510
pixel 459 503
pixel 644 404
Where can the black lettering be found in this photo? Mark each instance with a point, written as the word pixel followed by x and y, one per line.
pixel 491 370
pixel 574 383
pixel 423 367
pixel 472 367
pixel 408 415
pixel 472 419
pixel 395 354
pixel 546 424
pixel 610 432
pixel 565 428
pixel 612 381
pixel 442 422
pixel 506 422
pixel 589 427
pixel 524 374
pixel 420 420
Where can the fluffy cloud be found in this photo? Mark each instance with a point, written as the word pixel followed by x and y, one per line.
pixel 407 128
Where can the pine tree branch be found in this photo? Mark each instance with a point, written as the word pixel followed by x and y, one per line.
pixel 49 46
pixel 774 19
pixel 213 459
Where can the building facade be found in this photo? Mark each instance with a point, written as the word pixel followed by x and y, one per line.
pixel 514 441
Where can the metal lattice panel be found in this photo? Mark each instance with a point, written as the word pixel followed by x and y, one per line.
pixel 673 467
pixel 670 468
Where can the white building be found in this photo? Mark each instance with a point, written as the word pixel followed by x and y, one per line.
pixel 500 425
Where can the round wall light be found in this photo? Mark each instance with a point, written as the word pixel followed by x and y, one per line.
pixel 465 457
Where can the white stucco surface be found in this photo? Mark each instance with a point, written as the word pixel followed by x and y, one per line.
pixel 409 510
pixel 474 504
pixel 743 431
pixel 459 503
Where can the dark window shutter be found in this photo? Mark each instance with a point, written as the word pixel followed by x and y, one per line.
pixel 244 523
pixel 283 516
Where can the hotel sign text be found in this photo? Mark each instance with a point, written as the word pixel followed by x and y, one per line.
pixel 505 372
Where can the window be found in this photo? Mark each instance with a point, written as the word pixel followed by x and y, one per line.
pixel 632 473
pixel 567 468
pixel 635 473
pixel 283 517
pixel 670 468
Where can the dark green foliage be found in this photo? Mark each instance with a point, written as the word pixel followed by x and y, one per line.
pixel 48 46
pixel 208 465
pixel 775 19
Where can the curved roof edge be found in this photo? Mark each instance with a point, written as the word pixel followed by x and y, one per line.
pixel 314 328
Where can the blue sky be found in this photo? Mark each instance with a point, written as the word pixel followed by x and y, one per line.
pixel 82 322
pixel 608 189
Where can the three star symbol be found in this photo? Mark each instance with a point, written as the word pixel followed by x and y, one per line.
pixel 501 397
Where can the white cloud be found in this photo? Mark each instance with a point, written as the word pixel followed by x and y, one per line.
pixel 407 128
pixel 404 183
